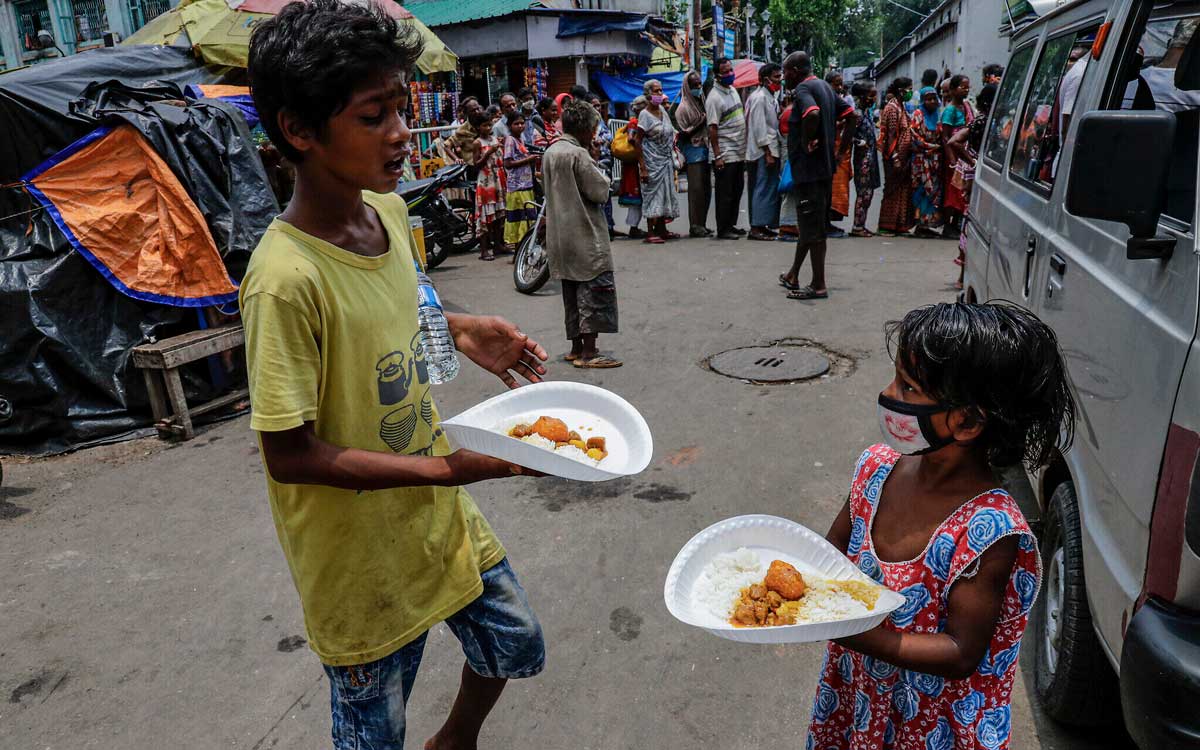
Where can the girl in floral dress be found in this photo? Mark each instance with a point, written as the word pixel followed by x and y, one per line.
pixel 927 164
pixel 489 191
pixel 976 386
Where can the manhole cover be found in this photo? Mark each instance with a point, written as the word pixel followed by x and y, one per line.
pixel 770 364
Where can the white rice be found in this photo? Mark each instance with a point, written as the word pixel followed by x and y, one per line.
pixel 569 451
pixel 722 580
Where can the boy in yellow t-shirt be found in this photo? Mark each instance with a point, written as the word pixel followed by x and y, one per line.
pixel 381 540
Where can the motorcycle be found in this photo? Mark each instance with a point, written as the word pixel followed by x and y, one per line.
pixel 531 267
pixel 449 223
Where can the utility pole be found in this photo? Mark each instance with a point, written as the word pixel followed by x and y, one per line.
pixel 696 34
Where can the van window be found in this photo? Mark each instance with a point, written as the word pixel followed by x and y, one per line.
pixel 1003 109
pixel 1048 109
pixel 1163 73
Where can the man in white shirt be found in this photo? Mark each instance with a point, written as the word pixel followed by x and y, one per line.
pixel 763 152
pixel 727 136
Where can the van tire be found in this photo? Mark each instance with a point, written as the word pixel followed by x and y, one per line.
pixel 1082 689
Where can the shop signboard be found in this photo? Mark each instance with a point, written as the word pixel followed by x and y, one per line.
pixel 718 28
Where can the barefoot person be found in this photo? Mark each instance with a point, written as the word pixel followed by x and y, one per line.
pixel 577 236
pixel 381 540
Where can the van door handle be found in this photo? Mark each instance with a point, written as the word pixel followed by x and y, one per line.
pixel 1058 264
pixel 1031 244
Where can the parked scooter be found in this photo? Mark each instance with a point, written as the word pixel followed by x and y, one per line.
pixel 531 268
pixel 449 224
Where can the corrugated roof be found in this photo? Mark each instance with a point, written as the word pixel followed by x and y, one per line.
pixel 446 12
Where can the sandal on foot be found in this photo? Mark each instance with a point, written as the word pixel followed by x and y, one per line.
pixel 487 256
pixel 861 233
pixel 570 357
pixel 654 239
pixel 760 236
pixel 788 285
pixel 807 293
pixel 669 236
pixel 599 362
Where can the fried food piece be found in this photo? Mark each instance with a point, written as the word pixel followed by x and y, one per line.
pixel 573 436
pixel 596 454
pixel 785 580
pixel 743 614
pixel 552 429
pixel 520 431
pixel 579 444
pixel 597 442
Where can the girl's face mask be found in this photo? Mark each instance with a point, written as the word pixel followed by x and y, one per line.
pixel 907 428
pixel 906 96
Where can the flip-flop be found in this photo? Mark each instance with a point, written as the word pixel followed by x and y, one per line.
pixel 807 293
pixel 599 362
pixel 670 236
pixel 654 240
pixel 783 282
pixel 569 357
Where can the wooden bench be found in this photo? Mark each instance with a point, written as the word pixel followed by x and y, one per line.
pixel 160 363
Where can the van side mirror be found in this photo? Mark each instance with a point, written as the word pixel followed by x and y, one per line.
pixel 1119 173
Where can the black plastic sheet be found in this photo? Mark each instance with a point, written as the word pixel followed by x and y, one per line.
pixel 66 333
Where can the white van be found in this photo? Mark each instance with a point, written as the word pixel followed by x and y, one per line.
pixel 1084 210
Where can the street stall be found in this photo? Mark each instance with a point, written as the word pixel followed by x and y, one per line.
pixel 184 198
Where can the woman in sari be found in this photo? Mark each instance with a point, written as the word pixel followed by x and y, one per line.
pixel 656 165
pixel 865 157
pixel 693 141
pixel 927 163
pixel 896 210
pixel 956 116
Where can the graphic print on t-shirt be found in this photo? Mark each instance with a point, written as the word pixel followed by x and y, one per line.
pixel 399 373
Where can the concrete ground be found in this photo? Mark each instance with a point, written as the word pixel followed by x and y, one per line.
pixel 144 601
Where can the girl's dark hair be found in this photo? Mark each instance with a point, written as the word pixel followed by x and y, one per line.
pixel 999 361
pixel 544 105
pixel 956 80
pixel 898 85
pixel 861 88
pixel 478 118
pixel 518 115
pixel 311 57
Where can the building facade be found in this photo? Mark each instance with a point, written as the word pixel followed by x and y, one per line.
pixel 961 36
pixel 75 25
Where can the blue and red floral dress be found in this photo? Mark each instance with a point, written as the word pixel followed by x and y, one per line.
pixel 864 702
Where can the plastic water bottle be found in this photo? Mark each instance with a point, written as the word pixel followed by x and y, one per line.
pixel 440 356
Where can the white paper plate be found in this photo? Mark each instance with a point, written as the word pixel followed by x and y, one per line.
pixel 591 411
pixel 772 538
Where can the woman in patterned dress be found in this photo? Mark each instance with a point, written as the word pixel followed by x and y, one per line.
pixel 927 163
pixel 865 158
pixel 895 142
pixel 975 386
pixel 489 191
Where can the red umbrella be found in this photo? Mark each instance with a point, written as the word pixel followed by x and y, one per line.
pixel 745 73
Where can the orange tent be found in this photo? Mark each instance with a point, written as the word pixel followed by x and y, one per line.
pixel 122 208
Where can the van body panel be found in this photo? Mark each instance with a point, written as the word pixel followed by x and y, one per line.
pixel 1125 327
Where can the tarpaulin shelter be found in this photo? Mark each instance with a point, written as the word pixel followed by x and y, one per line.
pixel 86 272
pixel 238 96
pixel 628 86
pixel 219 31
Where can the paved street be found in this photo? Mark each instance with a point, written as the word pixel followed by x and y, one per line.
pixel 145 602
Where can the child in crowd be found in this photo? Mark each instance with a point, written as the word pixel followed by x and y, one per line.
pixel 976 387
pixel 489 189
pixel 518 167
pixel 577 236
pixel 381 541
pixel 865 157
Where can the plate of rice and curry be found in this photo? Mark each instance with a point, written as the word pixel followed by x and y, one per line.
pixel 765 579
pixel 570 430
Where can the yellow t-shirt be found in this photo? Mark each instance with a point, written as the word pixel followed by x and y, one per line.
pixel 332 338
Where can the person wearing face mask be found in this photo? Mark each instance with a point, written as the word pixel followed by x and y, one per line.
pixel 660 202
pixel 693 142
pixel 975 387
pixel 727 137
pixel 895 145
pixel 764 152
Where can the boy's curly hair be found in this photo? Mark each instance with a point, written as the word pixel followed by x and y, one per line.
pixel 998 360
pixel 311 57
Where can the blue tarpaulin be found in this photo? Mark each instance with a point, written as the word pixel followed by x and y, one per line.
pixel 628 86
pixel 570 25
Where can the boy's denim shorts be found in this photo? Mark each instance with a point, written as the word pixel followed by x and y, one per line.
pixel 500 637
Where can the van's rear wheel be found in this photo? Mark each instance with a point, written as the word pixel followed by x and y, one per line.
pixel 1075 683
